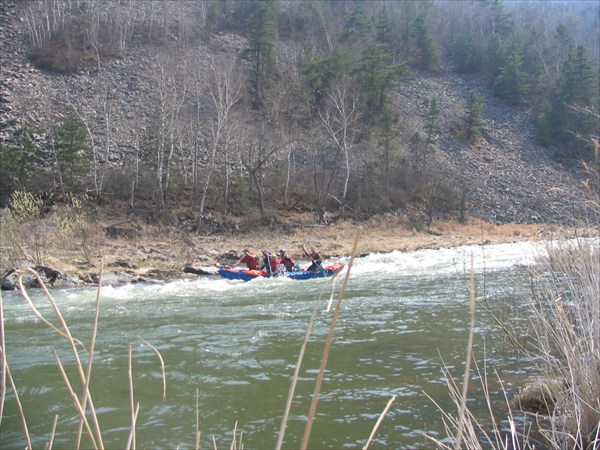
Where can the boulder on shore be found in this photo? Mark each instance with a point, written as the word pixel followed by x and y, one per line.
pixel 114 278
pixel 49 276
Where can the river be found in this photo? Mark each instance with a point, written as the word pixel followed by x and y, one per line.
pixel 404 315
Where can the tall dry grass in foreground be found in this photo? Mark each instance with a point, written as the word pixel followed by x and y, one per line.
pixel 561 410
pixel 563 405
pixel 565 307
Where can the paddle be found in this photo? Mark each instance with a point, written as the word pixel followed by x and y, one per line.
pixel 318 264
pixel 267 262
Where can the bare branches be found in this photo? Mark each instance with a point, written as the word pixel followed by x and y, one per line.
pixel 342 111
pixel 225 90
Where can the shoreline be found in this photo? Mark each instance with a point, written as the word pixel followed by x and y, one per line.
pixel 155 254
pixel 160 256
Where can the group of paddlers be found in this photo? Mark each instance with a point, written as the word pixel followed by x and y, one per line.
pixel 275 263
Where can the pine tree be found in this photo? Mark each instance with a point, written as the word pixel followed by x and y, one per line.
pixel 542 126
pixel 429 54
pixel 473 118
pixel 71 149
pixel 214 17
pixel 511 85
pixel 501 22
pixel 578 85
pixel 18 161
pixel 573 114
pixel 376 77
pixel 358 23
pixel 260 51
pixel 387 134
pixel 320 71
pixel 495 56
pixel 384 26
pixel 467 54
pixel 432 126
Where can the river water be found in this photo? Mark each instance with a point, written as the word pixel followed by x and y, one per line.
pixel 236 344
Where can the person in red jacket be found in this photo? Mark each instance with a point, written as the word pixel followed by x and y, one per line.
pixel 274 264
pixel 249 259
pixel 271 264
pixel 288 262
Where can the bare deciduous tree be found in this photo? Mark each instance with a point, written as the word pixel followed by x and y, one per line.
pixel 339 116
pixel 171 85
pixel 225 90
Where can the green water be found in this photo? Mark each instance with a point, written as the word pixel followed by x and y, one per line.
pixel 237 343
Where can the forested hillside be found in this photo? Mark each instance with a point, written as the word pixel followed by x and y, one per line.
pixel 206 112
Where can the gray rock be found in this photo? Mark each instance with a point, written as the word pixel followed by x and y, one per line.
pixel 51 278
pixel 113 278
pixel 115 232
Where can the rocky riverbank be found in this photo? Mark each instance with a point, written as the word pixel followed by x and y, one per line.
pixel 151 255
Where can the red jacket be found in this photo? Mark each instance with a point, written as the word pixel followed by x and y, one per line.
pixel 273 261
pixel 288 262
pixel 250 260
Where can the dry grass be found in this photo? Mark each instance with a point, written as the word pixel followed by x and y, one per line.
pixel 564 303
pixel 564 319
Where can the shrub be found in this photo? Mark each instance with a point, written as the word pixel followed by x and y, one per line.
pixel 72 222
pixel 24 235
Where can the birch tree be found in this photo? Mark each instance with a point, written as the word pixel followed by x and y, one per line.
pixel 171 86
pixel 225 90
pixel 339 117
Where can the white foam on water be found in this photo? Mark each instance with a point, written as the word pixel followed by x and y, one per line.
pixel 450 260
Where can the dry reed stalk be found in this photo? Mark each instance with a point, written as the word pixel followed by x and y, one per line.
pixel 333 278
pixel 36 311
pixel 17 399
pixel 67 334
pixel 134 417
pixel 378 423
pixel 134 408
pixel 131 438
pixel 88 375
pixel 315 400
pixel 565 305
pixel 463 404
pixel 290 397
pixel 466 430
pixel 476 433
pixel 50 443
pixel 198 434
pixel 75 399
pixel 3 363
pixel 294 382
pixel 233 445
pixel 162 365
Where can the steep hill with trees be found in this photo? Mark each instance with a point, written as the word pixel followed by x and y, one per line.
pixel 211 111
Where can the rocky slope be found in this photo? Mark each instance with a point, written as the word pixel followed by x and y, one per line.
pixel 508 177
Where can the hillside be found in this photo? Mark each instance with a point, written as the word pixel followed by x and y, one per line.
pixel 504 177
